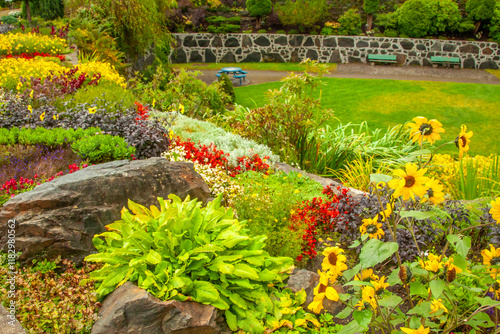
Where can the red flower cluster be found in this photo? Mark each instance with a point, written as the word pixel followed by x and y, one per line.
pixel 320 217
pixel 210 155
pixel 255 163
pixel 142 112
pixel 13 187
pixel 36 54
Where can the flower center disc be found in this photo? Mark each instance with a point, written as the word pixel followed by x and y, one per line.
pixel 409 181
pixel 371 229
pixel 495 261
pixel 332 258
pixel 322 288
pixel 430 192
pixel 426 129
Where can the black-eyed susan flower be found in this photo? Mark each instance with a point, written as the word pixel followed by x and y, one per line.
pixel 386 213
pixel 463 140
pixel 368 296
pixel 372 227
pixel 491 257
pixel 42 116
pixel 432 264
pixel 410 182
pixel 420 330
pixel 495 209
pixel 334 260
pixel 380 285
pixel 366 275
pixel 434 193
pixel 423 129
pixel 92 110
pixel 436 305
pixel 448 264
pixel 322 291
pixel 30 108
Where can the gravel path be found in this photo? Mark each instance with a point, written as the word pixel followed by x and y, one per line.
pixel 365 71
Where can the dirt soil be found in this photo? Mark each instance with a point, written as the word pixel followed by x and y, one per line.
pixel 365 71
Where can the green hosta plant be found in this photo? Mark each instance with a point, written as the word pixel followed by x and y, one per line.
pixel 184 252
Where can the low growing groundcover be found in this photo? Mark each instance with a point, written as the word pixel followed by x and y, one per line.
pixel 384 103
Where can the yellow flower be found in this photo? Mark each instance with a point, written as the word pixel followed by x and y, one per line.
pixel 254 195
pixel 420 330
pixel 435 192
pixel 299 175
pixel 372 228
pixel 425 130
pixel 42 116
pixel 411 182
pixel 321 291
pixel 55 117
pixel 334 261
pixel 380 285
pixel 463 140
pixel 381 185
pixel 450 266
pixel 368 296
pixel 491 257
pixel 92 110
pixel 30 108
pixel 170 133
pixel 182 108
pixel 386 213
pixel 154 102
pixel 433 264
pixel 437 305
pixel 495 209
pixel 366 275
pixel 19 85
pixel 31 94
pixel 296 191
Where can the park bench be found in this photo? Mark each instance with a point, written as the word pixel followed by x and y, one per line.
pixel 385 59
pixel 445 61
pixel 240 76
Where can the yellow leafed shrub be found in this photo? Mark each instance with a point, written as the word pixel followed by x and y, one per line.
pixel 16 44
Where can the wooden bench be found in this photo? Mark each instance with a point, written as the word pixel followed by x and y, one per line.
pixel 385 59
pixel 445 61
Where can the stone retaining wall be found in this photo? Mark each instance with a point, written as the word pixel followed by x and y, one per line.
pixel 235 48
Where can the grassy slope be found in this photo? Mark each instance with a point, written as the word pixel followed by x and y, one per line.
pixel 384 103
pixel 287 67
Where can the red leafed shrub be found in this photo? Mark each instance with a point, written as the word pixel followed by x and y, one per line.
pixel 142 112
pixel 36 54
pixel 322 217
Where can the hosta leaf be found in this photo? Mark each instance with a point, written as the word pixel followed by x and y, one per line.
pixel 138 209
pixel 255 260
pixel 204 292
pixel 105 258
pixel 224 268
pixel 153 257
pixel 245 271
pixel 234 240
pixel 236 299
pixel 244 283
pixel 267 276
pixel 210 248
pixel 185 284
pixel 231 320
pixel 220 304
pixel 110 235
pixel 115 276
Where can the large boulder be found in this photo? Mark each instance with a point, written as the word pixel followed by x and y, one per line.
pixel 130 309
pixel 9 323
pixel 62 216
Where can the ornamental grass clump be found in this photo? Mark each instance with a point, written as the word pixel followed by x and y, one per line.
pixel 182 251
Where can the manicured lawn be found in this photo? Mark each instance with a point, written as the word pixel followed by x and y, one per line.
pixel 384 103
pixel 287 67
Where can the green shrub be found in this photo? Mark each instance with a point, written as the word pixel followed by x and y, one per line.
pixel 259 9
pixel 227 86
pixel 115 97
pixel 216 20
pixel 281 32
pixel 314 32
pixel 247 31
pixel 262 31
pixel 212 29
pixel 102 148
pixel 480 10
pixel 388 20
pixel 350 23
pixel 230 28
pixel 293 32
pixel 7 19
pixel 42 136
pixel 268 202
pixel 181 251
pixel 495 25
pixel 235 20
pixel 419 18
pixel 390 33
pixel 302 13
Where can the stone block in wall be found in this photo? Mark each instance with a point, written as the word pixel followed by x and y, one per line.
pixel 488 65
pixel 449 47
pixel 203 43
pixel 262 41
pixel 309 42
pixel 437 46
pixel 330 42
pixel 294 56
pixel 282 40
pixel 229 57
pixel 312 54
pixel 385 45
pixel 362 44
pixel 426 62
pixel 469 63
pixel 421 47
pixel 217 42
pixel 178 56
pixel 210 57
pixel 195 57
pixel 415 62
pixel 335 57
pixel 374 44
pixel 238 51
pixel 401 58
pixel 469 48
pixel 295 40
pixel 272 57
pixel 254 57
pixel 232 42
pixel 487 51
pixel 346 42
pixel 246 42
pixel 407 45
pixel 189 41
pixel 353 60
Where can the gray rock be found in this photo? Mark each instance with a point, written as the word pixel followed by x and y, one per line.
pixel 130 309
pixel 469 48
pixel 469 63
pixel 262 41
pixel 253 57
pixel 309 42
pixel 488 64
pixel 346 42
pixel 179 56
pixel 282 40
pixel 231 42
pixel 195 57
pixel 9 323
pixel 335 57
pixel 362 44
pixel 407 45
pixel 246 41
pixel 210 57
pixel 189 41
pixel 217 42
pixel 62 216
pixel 228 58
pixel 330 42
pixel 295 40
pixel 312 54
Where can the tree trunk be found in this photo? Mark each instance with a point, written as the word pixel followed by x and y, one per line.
pixel 257 23
pixel 369 22
pixel 28 10
pixel 476 29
